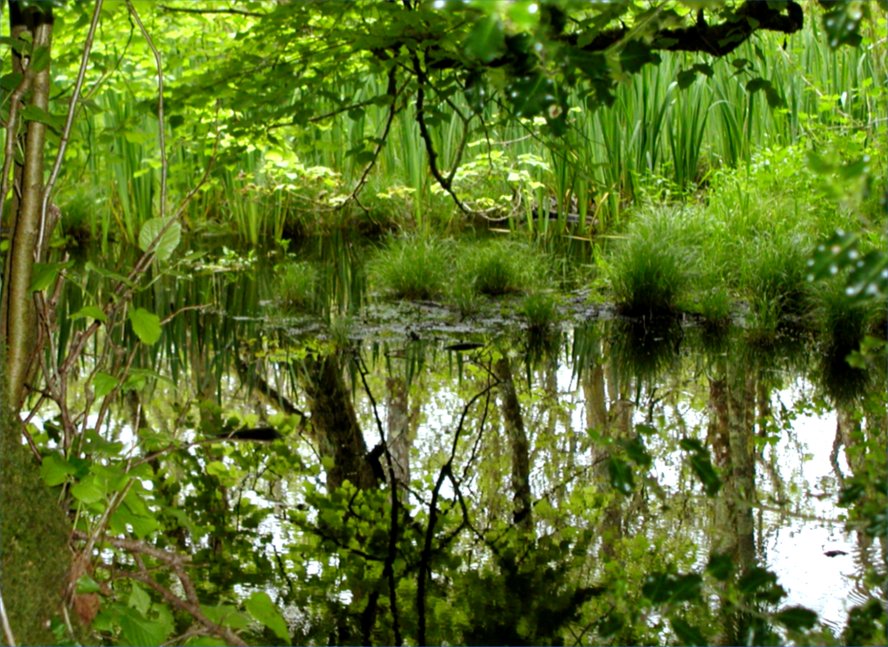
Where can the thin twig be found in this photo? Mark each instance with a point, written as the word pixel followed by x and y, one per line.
pixel 69 122
pixel 7 630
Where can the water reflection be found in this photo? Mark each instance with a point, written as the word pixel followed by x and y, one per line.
pixel 618 460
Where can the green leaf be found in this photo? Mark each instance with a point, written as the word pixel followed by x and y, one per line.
pixel 226 615
pixel 636 55
pixel 94 312
pixel 45 274
pixel 40 58
pixel 260 606
pixel 687 633
pixel 136 629
pixel 89 490
pixel 487 40
pixel 139 599
pixel 636 451
pixel 55 470
pixel 621 477
pixel 167 241
pixel 146 325
pixel 103 384
pixel 704 470
pixel 720 566
pixel 108 274
pixel 796 618
pixel 34 113
pixel 86 584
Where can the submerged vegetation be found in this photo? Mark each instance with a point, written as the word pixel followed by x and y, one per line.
pixel 441 321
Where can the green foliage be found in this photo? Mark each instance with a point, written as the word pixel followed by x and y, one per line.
pixel 649 270
pixel 296 283
pixel 497 267
pixel 412 267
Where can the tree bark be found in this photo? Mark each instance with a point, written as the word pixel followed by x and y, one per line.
pixel 518 445
pixel 17 309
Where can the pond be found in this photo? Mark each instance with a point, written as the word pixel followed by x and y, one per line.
pixel 440 476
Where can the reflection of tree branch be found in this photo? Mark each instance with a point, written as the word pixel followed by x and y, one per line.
pixel 388 569
pixel 446 473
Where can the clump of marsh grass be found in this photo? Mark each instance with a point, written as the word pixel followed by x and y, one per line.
pixel 843 325
pixel 412 268
pixel 773 277
pixel 649 271
pixel 295 283
pixel 499 267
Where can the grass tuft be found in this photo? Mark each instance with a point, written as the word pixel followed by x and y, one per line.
pixel 649 271
pixel 412 268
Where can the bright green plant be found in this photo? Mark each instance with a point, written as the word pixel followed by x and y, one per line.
pixel 296 283
pixel 497 267
pixel 649 271
pixel 412 267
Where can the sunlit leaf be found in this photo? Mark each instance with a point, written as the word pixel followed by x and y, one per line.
pixel 89 490
pixel 55 470
pixel 487 40
pixel 103 384
pixel 146 325
pixel 139 599
pixel 44 274
pixel 95 312
pixel 260 606
pixel 166 234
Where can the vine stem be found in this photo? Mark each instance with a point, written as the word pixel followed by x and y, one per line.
pixel 69 123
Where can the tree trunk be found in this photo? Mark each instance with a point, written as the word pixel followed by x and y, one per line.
pixel 335 424
pixel 17 311
pixel 518 445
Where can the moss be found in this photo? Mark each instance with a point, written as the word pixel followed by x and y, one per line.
pixel 34 556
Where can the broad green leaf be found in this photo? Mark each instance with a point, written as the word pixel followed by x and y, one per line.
pixel 89 490
pixel 687 633
pixel 139 599
pixel 167 241
pixel 487 40
pixel 40 58
pixel 45 274
pixel 86 584
pixel 103 384
pixel 136 629
pixel 720 566
pixel 33 113
pixel 146 325
pixel 796 618
pixel 621 477
pixel 55 470
pixel 95 312
pixel 260 606
pixel 226 615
